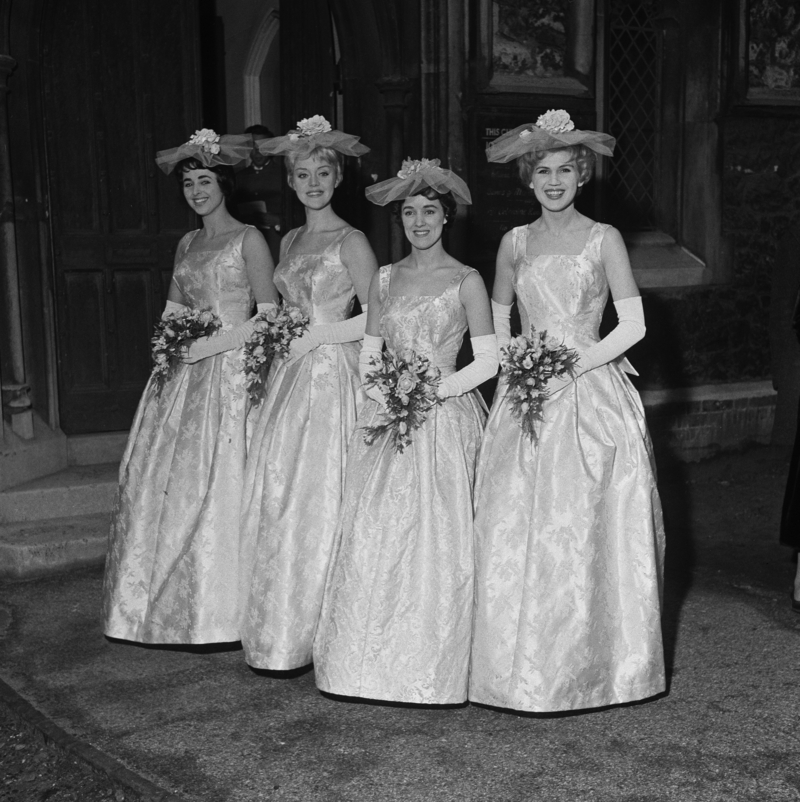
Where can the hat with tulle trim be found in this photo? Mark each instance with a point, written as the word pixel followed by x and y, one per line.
pixel 209 148
pixel 312 132
pixel 552 130
pixel 413 176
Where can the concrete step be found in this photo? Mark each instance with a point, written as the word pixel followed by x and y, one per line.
pixel 76 491
pixel 35 548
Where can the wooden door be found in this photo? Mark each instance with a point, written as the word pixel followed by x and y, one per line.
pixel 120 82
pixel 308 77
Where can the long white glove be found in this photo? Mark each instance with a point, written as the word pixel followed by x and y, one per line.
pixel 628 331
pixel 483 366
pixel 371 350
pixel 343 331
pixel 501 317
pixel 205 347
pixel 173 309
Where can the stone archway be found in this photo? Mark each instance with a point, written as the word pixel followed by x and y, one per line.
pixel 264 39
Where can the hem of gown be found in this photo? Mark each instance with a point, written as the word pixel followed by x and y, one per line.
pixel 276 665
pixel 386 698
pixel 161 640
pixel 638 695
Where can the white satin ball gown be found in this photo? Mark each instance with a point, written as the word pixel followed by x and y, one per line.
pixel 172 571
pixel 295 469
pixel 397 616
pixel 568 531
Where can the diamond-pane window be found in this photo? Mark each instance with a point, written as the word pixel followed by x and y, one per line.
pixel 632 97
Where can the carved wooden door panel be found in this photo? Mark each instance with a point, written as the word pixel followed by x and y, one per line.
pixel 120 82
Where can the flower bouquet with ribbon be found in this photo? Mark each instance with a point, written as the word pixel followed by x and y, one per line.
pixel 408 384
pixel 274 332
pixel 171 332
pixel 528 363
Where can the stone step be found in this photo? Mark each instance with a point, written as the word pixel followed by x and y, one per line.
pixel 76 491
pixel 35 548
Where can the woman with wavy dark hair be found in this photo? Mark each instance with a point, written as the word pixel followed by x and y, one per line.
pixel 397 616
pixel 172 571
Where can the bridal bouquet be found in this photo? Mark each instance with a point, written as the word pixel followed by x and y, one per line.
pixel 275 330
pixel 408 384
pixel 170 335
pixel 528 364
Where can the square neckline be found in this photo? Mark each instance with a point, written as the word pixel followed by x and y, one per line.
pixel 348 228
pixel 566 255
pixel 439 295
pixel 214 250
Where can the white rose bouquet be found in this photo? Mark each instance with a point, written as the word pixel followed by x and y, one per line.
pixel 408 384
pixel 171 332
pixel 528 363
pixel 275 330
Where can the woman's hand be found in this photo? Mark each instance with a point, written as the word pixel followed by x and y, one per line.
pixel 376 395
pixel 557 384
pixel 300 347
pixel 186 352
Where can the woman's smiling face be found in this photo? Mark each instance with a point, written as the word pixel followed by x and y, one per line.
pixel 202 191
pixel 423 220
pixel 556 179
pixel 314 181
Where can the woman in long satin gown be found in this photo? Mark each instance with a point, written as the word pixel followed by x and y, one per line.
pixel 568 530
pixel 172 570
pixel 397 615
pixel 297 453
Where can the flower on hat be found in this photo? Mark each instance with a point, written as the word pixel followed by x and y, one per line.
pixel 411 166
pixel 555 121
pixel 206 139
pixel 313 125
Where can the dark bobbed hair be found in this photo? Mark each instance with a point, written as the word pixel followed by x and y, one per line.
pixel 226 178
pixel 320 153
pixel 583 156
pixel 445 198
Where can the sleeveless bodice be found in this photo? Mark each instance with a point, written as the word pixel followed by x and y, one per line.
pixel 564 295
pixel 215 279
pixel 317 283
pixel 431 325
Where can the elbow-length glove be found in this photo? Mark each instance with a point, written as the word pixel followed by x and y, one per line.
pixel 343 331
pixel 370 354
pixel 629 330
pixel 205 347
pixel 501 317
pixel 483 366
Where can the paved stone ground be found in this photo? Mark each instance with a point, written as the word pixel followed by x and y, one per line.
pixel 33 771
pixel 201 724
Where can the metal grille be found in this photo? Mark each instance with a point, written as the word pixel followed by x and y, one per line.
pixel 632 102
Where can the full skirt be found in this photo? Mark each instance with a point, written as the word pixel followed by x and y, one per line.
pixel 397 617
pixel 570 543
pixel 293 489
pixel 173 560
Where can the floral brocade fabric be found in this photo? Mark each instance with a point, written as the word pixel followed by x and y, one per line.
pixel 397 616
pixel 568 531
pixel 173 562
pixel 295 470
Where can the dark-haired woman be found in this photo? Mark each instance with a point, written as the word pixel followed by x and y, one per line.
pixel 172 572
pixel 397 616
pixel 568 529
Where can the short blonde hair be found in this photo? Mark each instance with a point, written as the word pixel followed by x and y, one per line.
pixel 584 157
pixel 320 153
